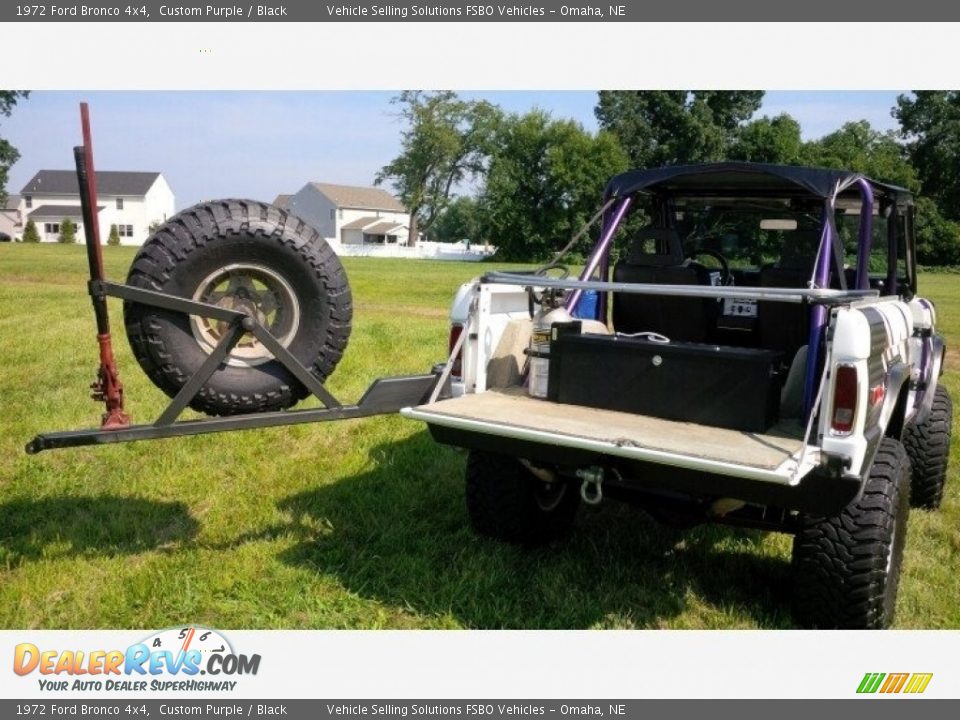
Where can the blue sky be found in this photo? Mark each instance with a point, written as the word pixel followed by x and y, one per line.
pixel 258 144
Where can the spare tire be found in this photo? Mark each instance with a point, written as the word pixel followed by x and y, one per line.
pixel 248 256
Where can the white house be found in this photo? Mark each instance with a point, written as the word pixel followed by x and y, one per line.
pixel 132 201
pixel 349 215
pixel 10 218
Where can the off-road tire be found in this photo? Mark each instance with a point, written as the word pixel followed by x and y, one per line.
pixel 846 568
pixel 506 501
pixel 207 238
pixel 928 446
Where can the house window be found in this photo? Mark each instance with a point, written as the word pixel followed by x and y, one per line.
pixel 333 214
pixel 51 228
pixel 125 230
pixel 28 199
pixel 119 203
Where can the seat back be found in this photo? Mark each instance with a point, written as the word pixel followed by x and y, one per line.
pixel 786 326
pixel 656 257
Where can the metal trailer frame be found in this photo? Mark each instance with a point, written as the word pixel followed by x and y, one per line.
pixel 385 395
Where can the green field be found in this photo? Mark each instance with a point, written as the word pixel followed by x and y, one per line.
pixel 355 524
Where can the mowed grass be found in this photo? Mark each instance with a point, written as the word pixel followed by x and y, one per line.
pixel 355 524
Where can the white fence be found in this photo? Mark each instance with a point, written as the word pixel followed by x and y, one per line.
pixel 422 251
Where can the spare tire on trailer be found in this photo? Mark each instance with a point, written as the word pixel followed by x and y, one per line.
pixel 249 256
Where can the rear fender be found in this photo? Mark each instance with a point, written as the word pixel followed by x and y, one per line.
pixel 871 337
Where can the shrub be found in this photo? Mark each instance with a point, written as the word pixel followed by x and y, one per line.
pixel 30 234
pixel 114 237
pixel 68 232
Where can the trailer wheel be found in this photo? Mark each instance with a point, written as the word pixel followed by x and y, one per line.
pixel 249 256
pixel 928 445
pixel 847 567
pixel 507 502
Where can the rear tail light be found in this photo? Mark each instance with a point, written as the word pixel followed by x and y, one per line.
pixel 457 366
pixel 844 400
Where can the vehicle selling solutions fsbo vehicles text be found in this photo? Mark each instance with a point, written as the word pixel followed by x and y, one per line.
pixel 397 11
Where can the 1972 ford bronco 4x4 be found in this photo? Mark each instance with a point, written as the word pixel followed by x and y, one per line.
pixel 745 345
pixel 756 355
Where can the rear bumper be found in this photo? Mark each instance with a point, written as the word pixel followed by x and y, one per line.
pixel 812 488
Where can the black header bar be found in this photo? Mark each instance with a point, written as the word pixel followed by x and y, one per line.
pixel 486 709
pixel 461 11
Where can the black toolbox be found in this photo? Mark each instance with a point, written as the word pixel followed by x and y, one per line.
pixel 728 387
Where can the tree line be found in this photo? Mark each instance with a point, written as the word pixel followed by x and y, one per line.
pixel 526 182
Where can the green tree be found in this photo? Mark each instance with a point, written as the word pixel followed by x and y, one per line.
pixel 769 140
pixel 8 153
pixel 858 146
pixel 930 123
pixel 545 179
pixel 938 239
pixel 667 127
pixel 442 145
pixel 881 156
pixel 114 237
pixel 68 232
pixel 30 234
pixel 459 220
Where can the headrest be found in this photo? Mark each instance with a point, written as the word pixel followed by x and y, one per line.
pixel 655 247
pixel 799 250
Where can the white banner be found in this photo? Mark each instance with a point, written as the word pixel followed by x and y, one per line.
pixel 187 662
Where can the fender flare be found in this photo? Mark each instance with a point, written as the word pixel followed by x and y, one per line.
pixel 896 385
pixel 938 350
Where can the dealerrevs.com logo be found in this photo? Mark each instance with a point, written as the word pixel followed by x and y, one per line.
pixel 176 659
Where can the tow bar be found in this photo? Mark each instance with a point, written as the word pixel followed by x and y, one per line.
pixel 385 395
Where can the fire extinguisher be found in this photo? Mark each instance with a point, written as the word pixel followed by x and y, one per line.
pixel 551 311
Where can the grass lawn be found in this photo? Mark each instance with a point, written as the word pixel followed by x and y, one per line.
pixel 355 524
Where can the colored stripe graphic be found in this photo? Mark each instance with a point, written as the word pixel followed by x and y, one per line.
pixel 870 682
pixel 918 682
pixel 893 683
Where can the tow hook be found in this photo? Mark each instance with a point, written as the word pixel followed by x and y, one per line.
pixel 591 490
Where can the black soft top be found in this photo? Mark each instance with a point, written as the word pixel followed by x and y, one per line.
pixel 742 178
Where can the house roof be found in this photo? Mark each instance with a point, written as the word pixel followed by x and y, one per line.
pixel 382 228
pixel 361 198
pixel 281 201
pixel 109 182
pixel 58 212
pixel 360 223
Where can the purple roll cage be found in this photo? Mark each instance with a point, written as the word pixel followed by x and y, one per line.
pixel 600 259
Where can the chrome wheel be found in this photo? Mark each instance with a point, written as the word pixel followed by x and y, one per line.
pixel 256 290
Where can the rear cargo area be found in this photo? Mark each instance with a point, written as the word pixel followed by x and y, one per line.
pixel 512 411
